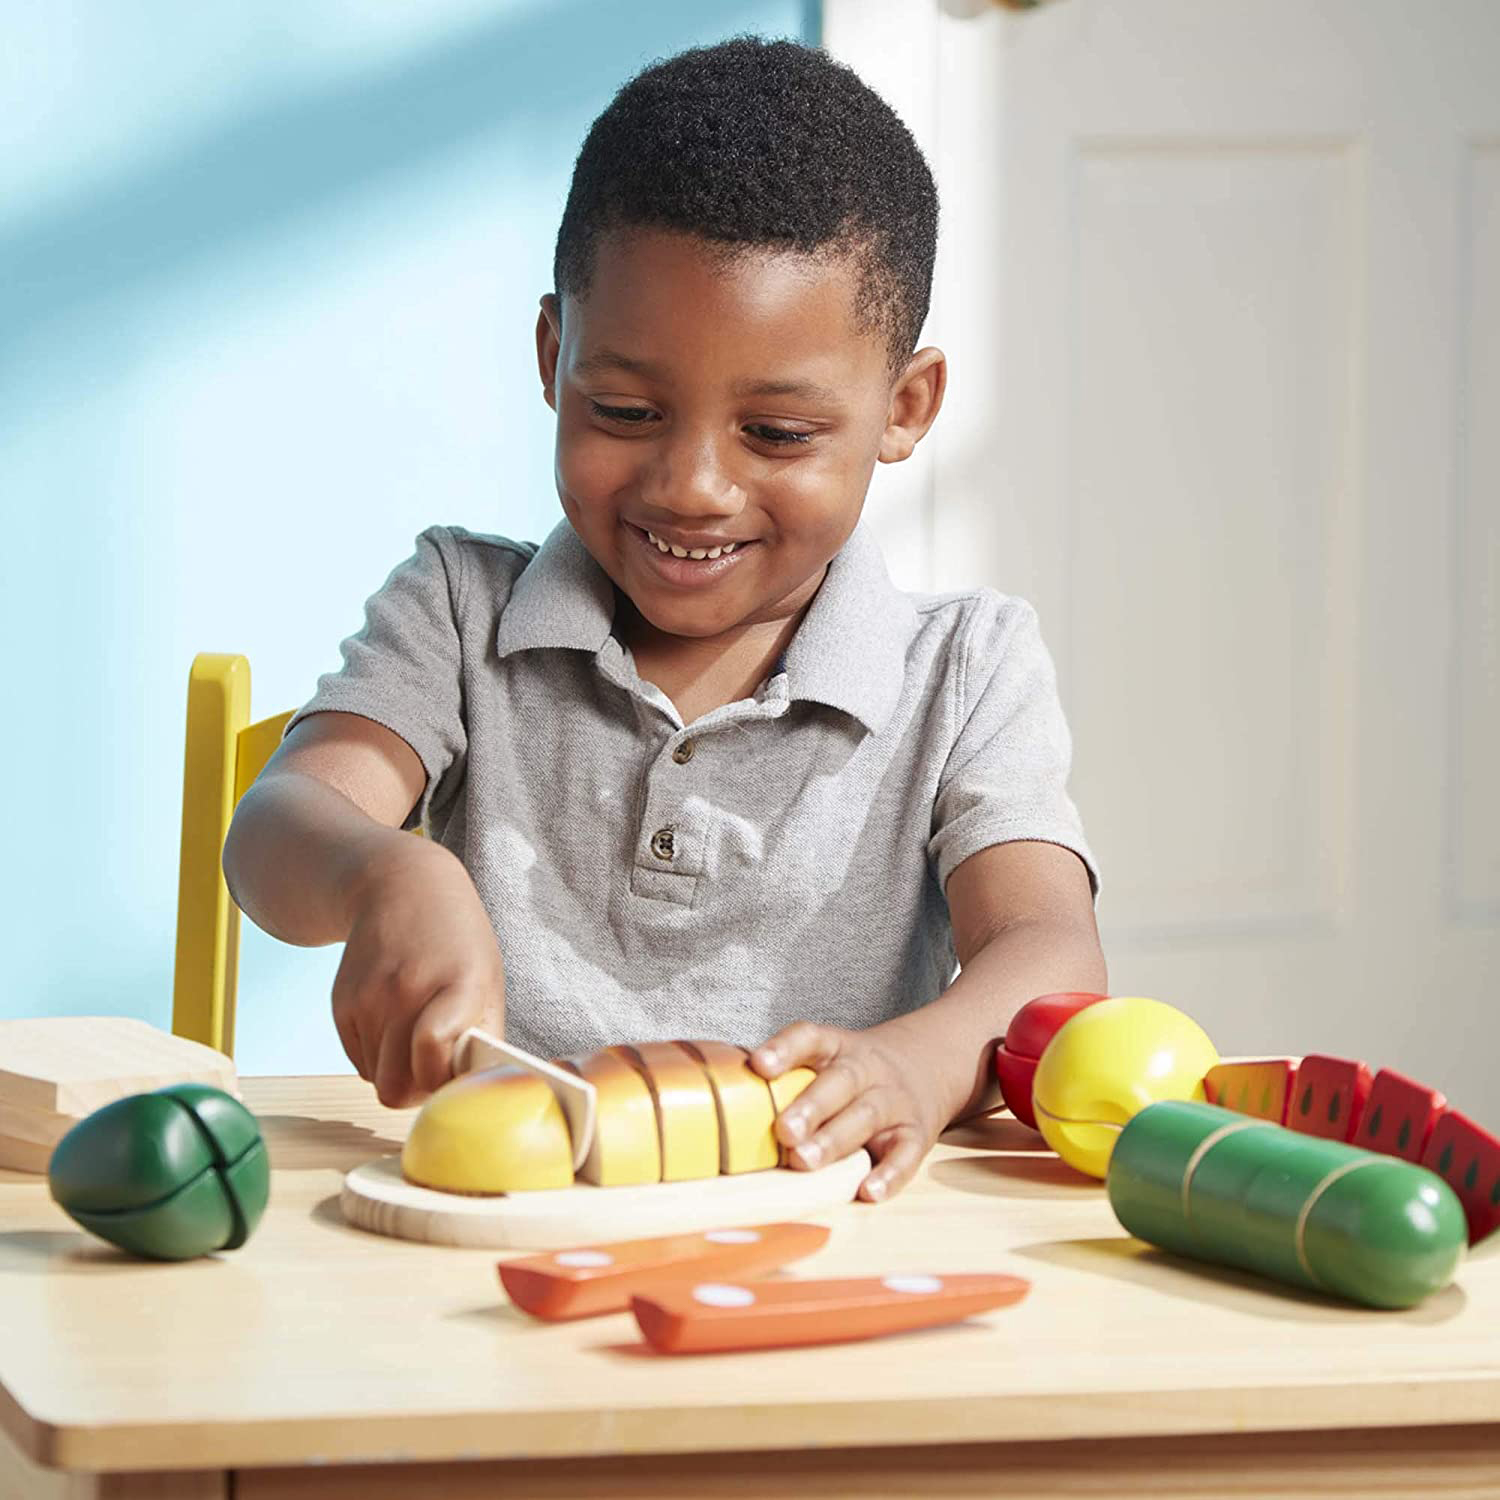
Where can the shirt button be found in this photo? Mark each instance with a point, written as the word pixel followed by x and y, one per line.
pixel 662 845
pixel 683 753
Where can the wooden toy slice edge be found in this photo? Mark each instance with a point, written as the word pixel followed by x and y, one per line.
pixel 376 1197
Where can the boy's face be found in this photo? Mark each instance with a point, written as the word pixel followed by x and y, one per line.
pixel 703 399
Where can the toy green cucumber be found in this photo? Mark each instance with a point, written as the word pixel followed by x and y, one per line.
pixel 1219 1186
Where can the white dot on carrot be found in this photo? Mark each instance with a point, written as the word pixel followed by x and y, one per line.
pixel 584 1258
pixel 716 1294
pixel 732 1236
pixel 914 1284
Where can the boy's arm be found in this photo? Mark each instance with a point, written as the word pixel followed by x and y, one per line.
pixel 314 855
pixel 1023 925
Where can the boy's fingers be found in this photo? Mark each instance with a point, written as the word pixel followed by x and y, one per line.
pixel 393 1083
pixel 800 1045
pixel 847 1131
pixel 445 1017
pixel 349 1036
pixel 828 1093
pixel 346 1018
pixel 900 1153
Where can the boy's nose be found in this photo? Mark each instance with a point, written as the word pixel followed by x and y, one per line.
pixel 689 477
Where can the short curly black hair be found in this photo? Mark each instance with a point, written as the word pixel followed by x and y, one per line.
pixel 762 144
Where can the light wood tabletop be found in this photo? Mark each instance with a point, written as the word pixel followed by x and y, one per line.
pixel 320 1359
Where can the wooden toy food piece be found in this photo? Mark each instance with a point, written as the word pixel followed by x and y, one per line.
pixel 745 1106
pixel 628 1149
pixel 1218 1186
pixel 602 1278
pixel 1467 1158
pixel 503 1130
pixel 1026 1038
pixel 1328 1097
pixel 686 1115
pixel 500 1130
pixel 699 1317
pixel 1108 1062
pixel 1256 1086
pixel 169 1175
pixel 477 1049
pixel 1399 1116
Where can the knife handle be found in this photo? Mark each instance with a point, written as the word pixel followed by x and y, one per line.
pixel 702 1316
pixel 602 1278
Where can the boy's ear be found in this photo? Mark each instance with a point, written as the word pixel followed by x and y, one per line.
pixel 548 343
pixel 916 400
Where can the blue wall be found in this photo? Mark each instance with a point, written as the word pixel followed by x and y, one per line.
pixel 268 279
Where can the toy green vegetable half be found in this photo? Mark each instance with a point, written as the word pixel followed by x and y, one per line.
pixel 169 1175
pixel 1225 1187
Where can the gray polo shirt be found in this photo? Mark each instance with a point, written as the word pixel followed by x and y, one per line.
pixel 781 858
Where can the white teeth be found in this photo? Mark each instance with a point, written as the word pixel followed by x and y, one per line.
pixel 699 553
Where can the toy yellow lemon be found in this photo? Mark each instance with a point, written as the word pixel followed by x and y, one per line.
pixel 1109 1062
pixel 496 1131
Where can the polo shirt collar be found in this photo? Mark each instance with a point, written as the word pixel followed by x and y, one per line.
pixel 849 652
pixel 561 598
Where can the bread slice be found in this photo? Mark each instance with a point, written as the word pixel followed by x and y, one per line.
pixel 626 1149
pixel 745 1107
pixel 687 1118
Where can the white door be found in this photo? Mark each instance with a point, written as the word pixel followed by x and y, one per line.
pixel 1220 285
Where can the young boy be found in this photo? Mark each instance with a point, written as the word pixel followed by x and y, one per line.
pixel 694 767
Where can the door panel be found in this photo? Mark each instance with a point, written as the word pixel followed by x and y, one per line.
pixel 1220 289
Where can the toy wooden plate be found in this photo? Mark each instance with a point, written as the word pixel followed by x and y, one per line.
pixel 376 1197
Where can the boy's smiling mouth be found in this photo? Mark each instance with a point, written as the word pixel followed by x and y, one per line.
pixel 676 563
pixel 699 553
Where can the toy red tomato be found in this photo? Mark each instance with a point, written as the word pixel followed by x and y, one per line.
pixel 1031 1028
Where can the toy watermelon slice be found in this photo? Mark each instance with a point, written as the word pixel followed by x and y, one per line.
pixel 1399 1116
pixel 1467 1158
pixel 1328 1097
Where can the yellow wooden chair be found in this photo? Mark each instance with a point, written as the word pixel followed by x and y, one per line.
pixel 225 753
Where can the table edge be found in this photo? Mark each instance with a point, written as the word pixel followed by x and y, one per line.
pixel 477 1435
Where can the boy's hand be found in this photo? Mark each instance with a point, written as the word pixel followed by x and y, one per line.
pixel 420 966
pixel 880 1088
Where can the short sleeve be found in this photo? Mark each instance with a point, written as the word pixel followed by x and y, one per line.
pixel 1006 774
pixel 404 668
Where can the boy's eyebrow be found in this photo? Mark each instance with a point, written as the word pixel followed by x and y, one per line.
pixel 604 360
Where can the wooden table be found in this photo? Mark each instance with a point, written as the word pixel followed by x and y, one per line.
pixel 320 1360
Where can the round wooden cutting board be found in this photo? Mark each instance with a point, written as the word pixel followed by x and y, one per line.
pixel 376 1197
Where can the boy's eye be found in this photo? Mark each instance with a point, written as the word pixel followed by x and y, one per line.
pixel 635 415
pixel 639 416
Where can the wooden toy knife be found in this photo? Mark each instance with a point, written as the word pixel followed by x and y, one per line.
pixel 603 1278
pixel 700 1317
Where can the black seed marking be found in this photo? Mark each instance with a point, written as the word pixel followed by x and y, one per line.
pixel 1375 1120
pixel 1404 1134
pixel 1306 1099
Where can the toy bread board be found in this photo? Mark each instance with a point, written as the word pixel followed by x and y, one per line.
pixel 378 1198
pixel 55 1070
